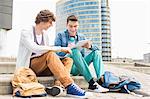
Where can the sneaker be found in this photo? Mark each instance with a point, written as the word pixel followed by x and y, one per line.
pixel 97 88
pixel 74 90
pixel 55 90
pixel 58 83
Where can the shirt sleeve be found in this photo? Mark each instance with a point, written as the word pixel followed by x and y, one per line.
pixel 28 42
pixel 58 40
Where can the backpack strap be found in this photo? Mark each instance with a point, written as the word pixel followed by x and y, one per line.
pixel 131 93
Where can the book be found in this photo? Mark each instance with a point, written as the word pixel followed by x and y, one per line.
pixel 80 44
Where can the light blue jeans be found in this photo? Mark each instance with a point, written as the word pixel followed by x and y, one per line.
pixel 81 64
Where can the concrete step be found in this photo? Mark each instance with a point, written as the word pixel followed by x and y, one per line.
pixel 7 67
pixel 6 88
pixel 7 59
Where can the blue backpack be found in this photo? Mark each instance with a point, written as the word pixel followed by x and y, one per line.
pixel 123 84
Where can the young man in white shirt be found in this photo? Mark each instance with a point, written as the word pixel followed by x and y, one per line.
pixel 36 53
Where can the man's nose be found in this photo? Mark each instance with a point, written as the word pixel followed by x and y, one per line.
pixel 50 25
pixel 73 28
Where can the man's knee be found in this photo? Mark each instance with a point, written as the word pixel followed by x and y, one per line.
pixel 51 54
pixel 68 59
pixel 76 51
pixel 96 52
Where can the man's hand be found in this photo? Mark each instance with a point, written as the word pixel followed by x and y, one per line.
pixel 66 50
pixel 88 44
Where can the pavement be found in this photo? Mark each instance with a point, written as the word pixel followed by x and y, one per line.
pixel 143 78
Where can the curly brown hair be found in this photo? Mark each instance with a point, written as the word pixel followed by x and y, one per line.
pixel 44 16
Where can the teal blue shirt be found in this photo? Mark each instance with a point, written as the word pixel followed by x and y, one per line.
pixel 62 40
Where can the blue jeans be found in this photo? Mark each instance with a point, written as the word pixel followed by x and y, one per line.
pixel 81 64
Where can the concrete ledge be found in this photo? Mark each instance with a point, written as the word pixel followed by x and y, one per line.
pixel 6 88
pixel 7 59
pixel 141 64
pixel 5 84
pixel 7 67
pixel 119 63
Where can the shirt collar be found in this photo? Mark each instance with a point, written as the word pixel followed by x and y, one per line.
pixel 67 34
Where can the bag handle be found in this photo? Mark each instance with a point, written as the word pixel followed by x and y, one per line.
pixel 131 93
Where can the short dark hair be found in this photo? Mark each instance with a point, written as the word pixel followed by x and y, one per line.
pixel 72 18
pixel 44 16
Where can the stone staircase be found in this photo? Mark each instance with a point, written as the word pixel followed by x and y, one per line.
pixel 7 68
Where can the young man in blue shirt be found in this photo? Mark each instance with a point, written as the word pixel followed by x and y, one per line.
pixel 69 38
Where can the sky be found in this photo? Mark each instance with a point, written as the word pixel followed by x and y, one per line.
pixel 130 28
pixel 130 22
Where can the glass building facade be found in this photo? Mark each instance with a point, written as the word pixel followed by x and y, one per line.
pixel 106 33
pixel 89 13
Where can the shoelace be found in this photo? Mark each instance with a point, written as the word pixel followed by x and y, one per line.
pixel 77 88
